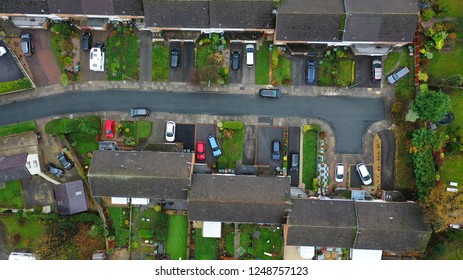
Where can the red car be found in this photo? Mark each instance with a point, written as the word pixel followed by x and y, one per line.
pixel 200 150
pixel 109 128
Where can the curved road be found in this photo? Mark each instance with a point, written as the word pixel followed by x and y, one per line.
pixel 349 117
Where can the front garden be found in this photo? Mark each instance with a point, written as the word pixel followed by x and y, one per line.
pixel 309 159
pixel 17 128
pixel 231 137
pixel 160 62
pixel 64 43
pixel 272 66
pixel 336 68
pixel 211 65
pixel 12 86
pixel 133 133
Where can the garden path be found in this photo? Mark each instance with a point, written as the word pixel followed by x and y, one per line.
pixel 237 243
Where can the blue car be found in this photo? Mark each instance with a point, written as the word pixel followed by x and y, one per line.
pixel 214 146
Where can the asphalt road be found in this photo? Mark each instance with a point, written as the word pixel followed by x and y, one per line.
pixel 9 70
pixel 349 117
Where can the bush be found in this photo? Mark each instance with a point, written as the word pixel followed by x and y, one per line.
pixel 428 14
pixel 62 28
pixel 233 125
pixel 423 164
pixel 432 105
pixel 453 147
pixel 20 84
pixel 314 127
pixel 146 233
pixel 67 60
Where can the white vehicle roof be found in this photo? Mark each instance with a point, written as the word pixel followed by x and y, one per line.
pixel 97 57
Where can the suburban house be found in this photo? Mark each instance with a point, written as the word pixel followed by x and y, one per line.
pixel 70 198
pixel 141 178
pixel 367 228
pixel 13 167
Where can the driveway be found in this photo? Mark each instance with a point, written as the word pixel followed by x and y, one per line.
pixel 355 181
pixel 294 142
pixel 249 149
pixel 387 159
pixel 249 74
pixel 298 70
pixel 42 63
pixel 236 76
pixel 146 47
pixel 202 133
pixel 9 69
pixel 185 133
pixel 363 72
pixel 87 74
pixel 265 136
pixel 187 62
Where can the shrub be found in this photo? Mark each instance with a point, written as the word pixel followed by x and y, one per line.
pixel 424 170
pixel 233 125
pixel 314 127
pixel 428 14
pixel 432 105
pixel 453 147
pixel 67 60
pixel 146 233
pixel 62 28
pixel 20 84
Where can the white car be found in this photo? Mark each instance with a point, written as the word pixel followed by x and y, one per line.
pixel 2 51
pixel 364 174
pixel 339 176
pixel 170 131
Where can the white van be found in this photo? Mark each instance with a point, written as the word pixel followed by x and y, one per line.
pixel 97 57
pixel 250 55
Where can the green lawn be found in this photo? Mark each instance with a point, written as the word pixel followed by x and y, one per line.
pixel 453 8
pixel 144 129
pixel 325 69
pixel 229 237
pixel 281 75
pixel 445 64
pixel 31 231
pixel 160 61
pixel 262 64
pixel 392 60
pixel 337 72
pixel 177 234
pixel 123 55
pixel 84 143
pixel 309 161
pixel 11 196
pixel 232 148
pixel 18 128
pixel 269 241
pixel 16 85
pixel 404 163
pixel 202 54
pixel 206 248
pixel 119 216
pixel 132 57
pixel 136 130
pixel 405 88
pixel 345 73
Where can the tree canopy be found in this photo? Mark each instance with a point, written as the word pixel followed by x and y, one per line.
pixel 432 105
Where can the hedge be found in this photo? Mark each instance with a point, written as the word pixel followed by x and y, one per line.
pixel 23 83
pixel 233 125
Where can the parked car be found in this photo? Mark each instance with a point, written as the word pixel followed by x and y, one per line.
pixel 86 42
pixel 139 112
pixel 310 72
pixel 235 60
pixel 376 70
pixel 272 93
pixel 2 51
pixel 275 150
pixel 26 44
pixel 200 150
pixel 175 58
pixel 170 131
pixel 250 55
pixel 216 152
pixel 97 57
pixel 64 160
pixel 339 173
pixel 55 170
pixel 364 174
pixel 109 128
pixel 294 162
pixel 397 76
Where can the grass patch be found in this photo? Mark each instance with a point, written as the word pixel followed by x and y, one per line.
pixel 134 131
pixel 270 241
pixel 309 161
pixel 334 71
pixel 281 69
pixel 12 196
pixel 18 128
pixel 84 144
pixel 177 233
pixel 123 54
pixel 120 219
pixel 446 64
pixel 11 86
pixel 30 231
pixel 206 248
pixel 453 8
pixel 210 60
pixel 325 69
pixel 232 147
pixel 262 62
pixel 404 162
pixel 144 129
pixel 393 59
pixel 160 61
pixel 405 88
pixel 229 237
pixel 345 76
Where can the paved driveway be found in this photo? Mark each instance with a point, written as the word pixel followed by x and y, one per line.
pixel 265 136
pixel 4 252
pixel 294 142
pixel 187 62
pixel 202 133
pixel 298 70
pixel 185 133
pixel 236 76
pixel 387 159
pixel 9 69
pixel 363 72
pixel 87 74
pixel 249 149
pixel 146 47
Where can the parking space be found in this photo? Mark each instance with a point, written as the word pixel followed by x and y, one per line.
pixel 355 181
pixel 363 72
pixel 187 62
pixel 265 136
pixel 236 76
pixel 294 141
pixel 185 133
pixel 87 74
pixel 9 69
pixel 298 70
pixel 249 149
pixel 249 73
pixel 202 133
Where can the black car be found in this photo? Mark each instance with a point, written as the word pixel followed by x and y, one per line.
pixel 235 61
pixel 55 170
pixel 175 58
pixel 64 160
pixel 139 112
pixel 86 42
pixel 26 44
pixel 272 93
pixel 276 150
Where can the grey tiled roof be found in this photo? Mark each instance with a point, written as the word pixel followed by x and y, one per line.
pixel 177 14
pixel 13 167
pixel 312 6
pixel 297 27
pixel 140 174
pixel 321 223
pixel 24 6
pixel 396 226
pixel 70 198
pixel 99 7
pixel 250 14
pixel 245 199
pixel 382 6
